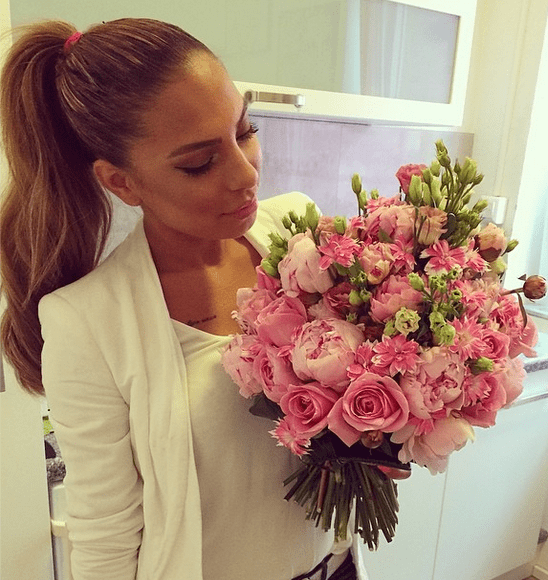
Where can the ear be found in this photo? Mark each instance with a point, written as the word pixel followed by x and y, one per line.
pixel 117 181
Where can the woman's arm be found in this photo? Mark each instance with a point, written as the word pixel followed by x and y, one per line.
pixel 91 422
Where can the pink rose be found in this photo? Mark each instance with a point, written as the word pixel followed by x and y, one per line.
pixel 238 360
pixel 394 293
pixel 430 224
pixel 431 448
pixel 300 269
pixel 405 172
pixel 370 403
pixel 251 301
pixel 495 344
pixel 491 242
pixel 435 384
pixel 307 406
pixel 274 372
pixel 279 318
pixel 323 349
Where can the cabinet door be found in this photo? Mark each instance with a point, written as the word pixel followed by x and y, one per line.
pixel 494 497
pixel 411 553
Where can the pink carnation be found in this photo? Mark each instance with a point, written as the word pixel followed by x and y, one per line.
pixel 443 258
pixel 371 402
pixel 395 355
pixel 394 293
pixel 468 343
pixel 362 360
pixel 338 249
pixel 485 395
pixel 288 437
pixel 402 253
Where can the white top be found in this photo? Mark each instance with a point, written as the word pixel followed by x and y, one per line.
pixel 117 386
pixel 248 530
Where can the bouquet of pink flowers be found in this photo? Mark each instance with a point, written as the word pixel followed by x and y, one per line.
pixel 381 340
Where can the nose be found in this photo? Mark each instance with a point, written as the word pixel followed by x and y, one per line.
pixel 243 171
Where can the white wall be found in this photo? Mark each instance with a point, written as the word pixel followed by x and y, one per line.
pixel 25 540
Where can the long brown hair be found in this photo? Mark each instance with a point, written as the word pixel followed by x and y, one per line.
pixel 61 108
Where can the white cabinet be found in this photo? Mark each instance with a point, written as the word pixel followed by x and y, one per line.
pixel 494 497
pixel 481 518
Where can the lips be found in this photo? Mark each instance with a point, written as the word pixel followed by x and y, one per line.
pixel 245 210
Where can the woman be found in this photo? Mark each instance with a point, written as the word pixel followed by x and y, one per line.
pixel 168 475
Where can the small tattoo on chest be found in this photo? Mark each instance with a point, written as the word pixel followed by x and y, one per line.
pixel 196 322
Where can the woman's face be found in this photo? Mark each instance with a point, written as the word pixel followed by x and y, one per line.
pixel 196 172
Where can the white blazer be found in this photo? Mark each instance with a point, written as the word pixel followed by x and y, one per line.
pixel 115 381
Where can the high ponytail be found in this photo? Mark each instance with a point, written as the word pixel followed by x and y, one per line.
pixel 60 110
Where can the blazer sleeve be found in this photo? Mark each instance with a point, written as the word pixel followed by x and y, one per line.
pixel 91 422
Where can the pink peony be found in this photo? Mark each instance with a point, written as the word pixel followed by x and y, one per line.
pixel 490 242
pixel 323 349
pixel 376 261
pixel 288 437
pixel 512 376
pixel 300 268
pixel 435 385
pixel 393 220
pixel 485 395
pixel 405 172
pixel 524 343
pixel 250 302
pixel 430 225
pixel 274 372
pixel 432 448
pixel 279 318
pixel 238 360
pixel 307 406
pixel 370 403
pixel 391 295
pixel 266 282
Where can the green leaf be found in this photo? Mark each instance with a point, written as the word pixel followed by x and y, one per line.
pixel 264 407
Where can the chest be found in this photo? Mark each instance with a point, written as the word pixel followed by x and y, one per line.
pixel 205 298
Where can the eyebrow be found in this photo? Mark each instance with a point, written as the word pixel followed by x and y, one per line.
pixel 201 144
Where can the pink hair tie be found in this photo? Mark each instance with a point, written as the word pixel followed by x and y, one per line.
pixel 71 40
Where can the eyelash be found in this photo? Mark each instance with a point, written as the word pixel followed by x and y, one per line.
pixel 203 169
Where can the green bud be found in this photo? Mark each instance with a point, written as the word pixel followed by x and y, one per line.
pixel 267 266
pixel 406 321
pixel 426 195
pixel 312 217
pixel 435 282
pixel 415 190
pixel 467 198
pixel 445 161
pixel 340 224
pixel 374 194
pixel 293 217
pixel 453 274
pixel 435 168
pixel 511 245
pixel 354 298
pixel 444 334
pixel 277 253
pixel 277 240
pixel 469 169
pixel 356 183
pixel 362 199
pixel 436 319
pixel 457 168
pixel 456 295
pixel 440 147
pixel 478 179
pixel 389 328
pixel 427 175
pixel 416 282
pixel 480 205
pixel 480 365
pixel 498 266
pixel 286 221
pixel 365 295
pixel 435 190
